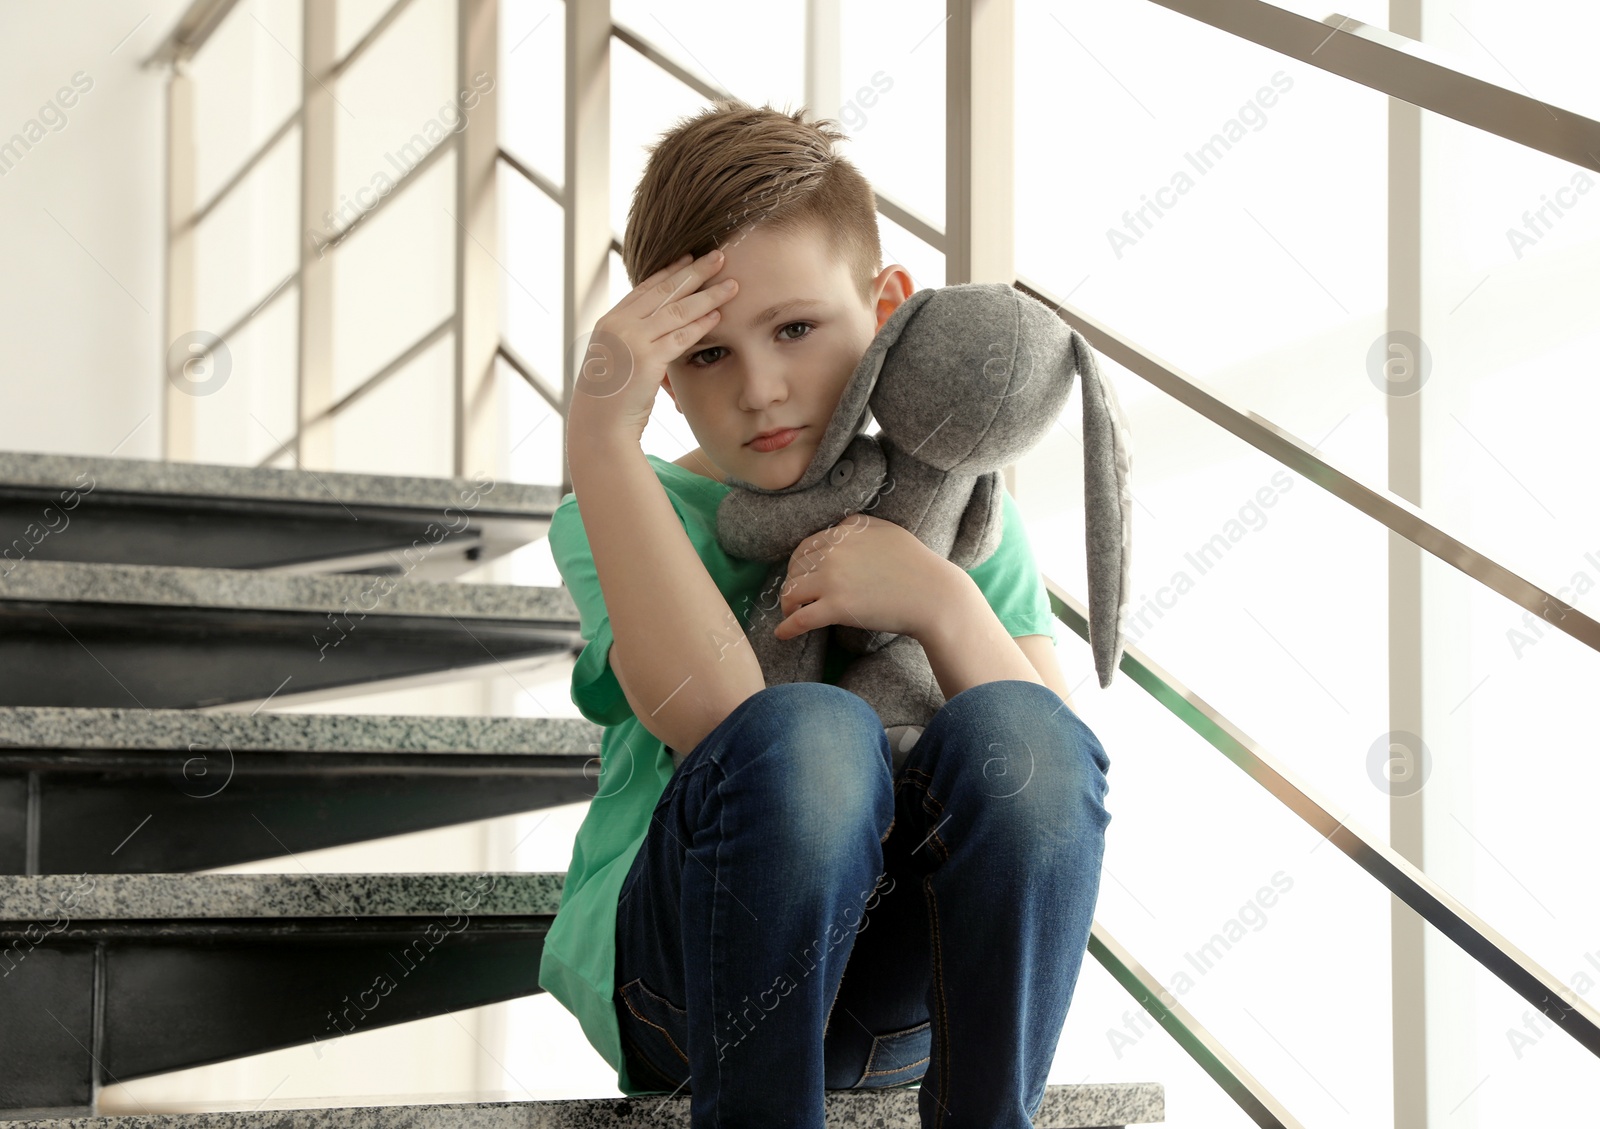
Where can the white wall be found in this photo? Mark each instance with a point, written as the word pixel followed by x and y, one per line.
pixel 81 214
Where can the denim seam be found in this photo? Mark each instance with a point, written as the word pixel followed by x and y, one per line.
pixel 711 932
pixel 938 988
pixel 671 1042
pixel 933 807
pixel 871 1073
pixel 645 1060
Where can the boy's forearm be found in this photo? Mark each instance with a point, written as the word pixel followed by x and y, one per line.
pixel 687 660
pixel 966 644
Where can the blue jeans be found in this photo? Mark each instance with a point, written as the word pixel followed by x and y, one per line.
pixel 799 918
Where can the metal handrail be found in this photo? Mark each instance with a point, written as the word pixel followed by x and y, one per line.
pixel 524 369
pixel 1431 901
pixel 193 28
pixel 407 179
pixel 1293 452
pixel 238 177
pixel 1406 69
pixel 533 176
pixel 367 40
pixel 1390 509
pixel 410 353
pixel 1187 1031
pixel 707 90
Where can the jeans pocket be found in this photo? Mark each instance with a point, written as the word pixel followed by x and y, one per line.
pixel 658 1030
pixel 898 1057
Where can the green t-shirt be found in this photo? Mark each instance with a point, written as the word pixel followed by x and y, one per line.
pixel 578 966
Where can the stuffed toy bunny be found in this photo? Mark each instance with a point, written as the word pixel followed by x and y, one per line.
pixel 962 380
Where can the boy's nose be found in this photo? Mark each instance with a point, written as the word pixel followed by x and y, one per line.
pixel 764 385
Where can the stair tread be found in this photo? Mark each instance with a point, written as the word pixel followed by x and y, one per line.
pixel 88 727
pixel 1064 1107
pixel 222 588
pixel 145 897
pixel 214 480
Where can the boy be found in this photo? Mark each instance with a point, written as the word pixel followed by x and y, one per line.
pixel 712 931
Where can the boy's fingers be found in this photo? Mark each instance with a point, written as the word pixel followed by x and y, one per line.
pixel 677 264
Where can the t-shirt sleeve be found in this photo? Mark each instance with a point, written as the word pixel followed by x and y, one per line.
pixel 1011 582
pixel 595 689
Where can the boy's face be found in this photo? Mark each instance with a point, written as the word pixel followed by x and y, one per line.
pixel 744 379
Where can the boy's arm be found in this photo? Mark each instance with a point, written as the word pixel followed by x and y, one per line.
pixel 965 642
pixel 687 659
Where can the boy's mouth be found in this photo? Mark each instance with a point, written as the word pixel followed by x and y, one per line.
pixel 776 439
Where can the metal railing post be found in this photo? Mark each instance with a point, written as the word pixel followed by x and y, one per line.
pixel 586 234
pixel 823 83
pixel 314 377
pixel 1407 930
pixel 178 414
pixel 980 50
pixel 479 440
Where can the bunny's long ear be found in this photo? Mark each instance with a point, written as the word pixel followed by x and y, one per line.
pixel 1107 510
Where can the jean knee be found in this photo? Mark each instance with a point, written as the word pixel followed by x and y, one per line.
pixel 820 755
pixel 1036 756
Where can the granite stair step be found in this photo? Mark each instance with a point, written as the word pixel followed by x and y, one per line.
pixel 151 637
pixel 1079 1106
pixel 129 790
pixel 139 511
pixel 109 977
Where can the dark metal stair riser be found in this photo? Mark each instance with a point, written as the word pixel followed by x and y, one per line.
pixel 131 655
pixel 188 993
pixel 253 805
pixel 222 532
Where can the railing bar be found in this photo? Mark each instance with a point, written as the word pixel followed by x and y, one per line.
pixel 368 39
pixel 1390 509
pixel 525 370
pixel 538 179
pixel 918 225
pixel 282 449
pixel 197 24
pixel 411 352
pixel 239 323
pixel 1201 1045
pixel 410 177
pixel 244 170
pixel 1469 931
pixel 677 70
pixel 1402 67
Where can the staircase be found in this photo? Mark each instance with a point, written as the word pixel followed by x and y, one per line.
pixel 116 960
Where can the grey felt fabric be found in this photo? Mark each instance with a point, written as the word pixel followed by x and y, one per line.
pixel 962 380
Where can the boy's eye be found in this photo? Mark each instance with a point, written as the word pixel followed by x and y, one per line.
pixel 694 359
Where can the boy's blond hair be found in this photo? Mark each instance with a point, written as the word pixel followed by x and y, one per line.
pixel 734 164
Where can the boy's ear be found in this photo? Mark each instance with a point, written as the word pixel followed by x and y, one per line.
pixel 666 382
pixel 894 286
